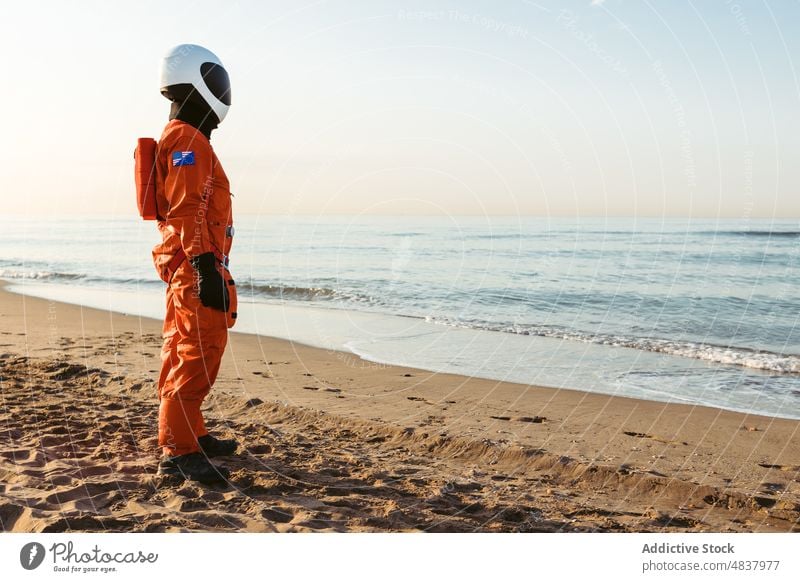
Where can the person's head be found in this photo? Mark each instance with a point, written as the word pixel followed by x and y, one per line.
pixel 195 81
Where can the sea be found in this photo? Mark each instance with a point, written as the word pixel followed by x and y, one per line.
pixel 703 312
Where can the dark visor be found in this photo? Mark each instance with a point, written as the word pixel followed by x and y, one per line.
pixel 217 81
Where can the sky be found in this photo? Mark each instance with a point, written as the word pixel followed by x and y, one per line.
pixel 564 109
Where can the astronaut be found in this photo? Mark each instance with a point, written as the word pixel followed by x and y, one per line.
pixel 196 224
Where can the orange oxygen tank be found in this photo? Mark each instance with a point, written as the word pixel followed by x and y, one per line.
pixel 145 176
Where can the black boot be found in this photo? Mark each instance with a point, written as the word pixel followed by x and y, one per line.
pixel 195 467
pixel 214 447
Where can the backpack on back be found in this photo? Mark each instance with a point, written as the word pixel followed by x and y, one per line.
pixel 145 177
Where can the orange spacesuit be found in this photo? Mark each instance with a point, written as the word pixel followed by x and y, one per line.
pixel 193 196
pixel 180 182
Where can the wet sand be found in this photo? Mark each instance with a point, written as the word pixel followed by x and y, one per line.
pixel 335 443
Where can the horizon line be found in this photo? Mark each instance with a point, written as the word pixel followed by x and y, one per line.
pixel 133 215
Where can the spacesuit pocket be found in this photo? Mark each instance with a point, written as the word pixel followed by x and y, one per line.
pixel 164 271
pixel 233 302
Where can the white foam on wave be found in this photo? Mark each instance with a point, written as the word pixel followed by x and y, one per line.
pixel 39 275
pixel 735 356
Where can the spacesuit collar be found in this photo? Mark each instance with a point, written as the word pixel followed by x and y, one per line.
pixel 202 119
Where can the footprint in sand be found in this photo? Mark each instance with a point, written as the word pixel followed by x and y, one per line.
pixel 260 449
pixel 418 399
pixel 279 515
pixel 533 419
pixel 791 468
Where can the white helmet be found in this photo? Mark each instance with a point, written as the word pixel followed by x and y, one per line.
pixel 189 66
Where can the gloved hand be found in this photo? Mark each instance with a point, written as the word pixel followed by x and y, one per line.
pixel 211 286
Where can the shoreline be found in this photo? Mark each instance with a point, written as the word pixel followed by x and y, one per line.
pixel 383 339
pixel 373 447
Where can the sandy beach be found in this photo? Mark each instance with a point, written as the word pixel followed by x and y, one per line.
pixel 336 443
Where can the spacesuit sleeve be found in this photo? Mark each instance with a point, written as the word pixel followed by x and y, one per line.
pixel 188 185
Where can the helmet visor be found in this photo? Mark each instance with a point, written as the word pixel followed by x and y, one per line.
pixel 217 81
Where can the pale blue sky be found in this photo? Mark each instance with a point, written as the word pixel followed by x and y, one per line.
pixel 548 108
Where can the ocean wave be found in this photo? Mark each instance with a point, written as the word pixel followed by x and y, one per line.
pixel 754 233
pixel 507 236
pixel 44 276
pixel 730 355
pixel 39 275
pixel 294 293
pixel 666 234
pixel 255 289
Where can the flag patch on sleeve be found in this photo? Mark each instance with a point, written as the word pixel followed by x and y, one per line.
pixel 182 158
